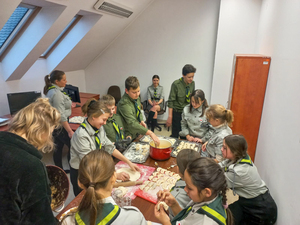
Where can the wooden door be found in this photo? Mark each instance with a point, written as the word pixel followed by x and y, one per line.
pixel 247 96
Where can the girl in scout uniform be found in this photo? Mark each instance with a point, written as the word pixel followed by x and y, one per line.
pixel 255 204
pixel 182 159
pixel 114 127
pixel 54 85
pixel 155 100
pixel 90 136
pixel 194 126
pixel 220 119
pixel 96 176
pixel 206 186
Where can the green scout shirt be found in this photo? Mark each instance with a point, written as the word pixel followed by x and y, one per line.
pixel 111 133
pixel 177 99
pixel 127 110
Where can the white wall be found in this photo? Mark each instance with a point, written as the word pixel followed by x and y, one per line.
pixel 278 148
pixel 33 80
pixel 237 32
pixel 168 35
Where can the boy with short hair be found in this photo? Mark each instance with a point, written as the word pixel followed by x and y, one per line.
pixel 179 97
pixel 129 107
pixel 114 127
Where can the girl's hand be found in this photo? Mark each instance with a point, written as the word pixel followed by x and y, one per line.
pixel 123 176
pixel 166 197
pixel 161 215
pixel 134 167
pixel 204 146
pixel 198 140
pixel 70 133
pixel 190 138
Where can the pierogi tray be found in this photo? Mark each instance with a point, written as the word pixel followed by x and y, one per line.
pixel 147 139
pixel 162 179
pixel 137 152
pixel 185 145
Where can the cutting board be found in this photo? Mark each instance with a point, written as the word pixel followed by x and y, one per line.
pixel 146 171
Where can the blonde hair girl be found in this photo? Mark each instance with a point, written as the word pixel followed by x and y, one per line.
pixel 220 119
pixel 206 186
pixel 24 189
pixel 96 176
pixel 90 136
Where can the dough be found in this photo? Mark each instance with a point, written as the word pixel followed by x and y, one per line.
pixel 134 175
pixel 165 206
pixel 121 191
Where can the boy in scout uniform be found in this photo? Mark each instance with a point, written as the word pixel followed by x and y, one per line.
pixel 179 97
pixel 129 107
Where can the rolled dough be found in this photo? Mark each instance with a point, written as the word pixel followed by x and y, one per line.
pixel 134 175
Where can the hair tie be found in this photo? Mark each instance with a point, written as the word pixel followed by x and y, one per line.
pixel 92 185
pixel 91 103
pixel 225 110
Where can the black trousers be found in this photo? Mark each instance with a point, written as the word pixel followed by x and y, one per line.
pixel 176 124
pixel 261 210
pixel 61 138
pixel 74 177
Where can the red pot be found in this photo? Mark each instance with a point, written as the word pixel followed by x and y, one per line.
pixel 161 152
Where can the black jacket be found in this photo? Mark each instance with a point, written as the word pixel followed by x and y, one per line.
pixel 25 195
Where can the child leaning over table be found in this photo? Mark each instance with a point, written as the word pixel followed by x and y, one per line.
pixel 97 175
pixel 129 107
pixel 114 127
pixel 220 119
pixel 182 159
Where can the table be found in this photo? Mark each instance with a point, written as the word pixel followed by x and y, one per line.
pixel 146 207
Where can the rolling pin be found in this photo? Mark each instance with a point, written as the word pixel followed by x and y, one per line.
pixel 128 183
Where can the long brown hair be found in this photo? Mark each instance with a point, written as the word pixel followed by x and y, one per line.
pixel 199 94
pixel 95 170
pixel 206 173
pixel 218 111
pixel 50 79
pixel 238 145
pixel 37 121
pixel 94 108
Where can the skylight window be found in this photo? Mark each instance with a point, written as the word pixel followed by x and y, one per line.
pixel 14 24
pixel 61 36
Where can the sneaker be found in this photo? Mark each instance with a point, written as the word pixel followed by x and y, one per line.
pixel 158 128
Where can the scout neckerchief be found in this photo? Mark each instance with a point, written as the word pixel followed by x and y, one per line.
pixel 108 215
pixel 97 139
pixel 187 92
pixel 137 110
pixel 155 93
pixel 181 215
pixel 117 129
pixel 53 87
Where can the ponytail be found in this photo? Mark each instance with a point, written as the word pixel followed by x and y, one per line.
pixel 218 111
pixel 94 108
pixel 47 84
pixel 95 171
pixel 55 75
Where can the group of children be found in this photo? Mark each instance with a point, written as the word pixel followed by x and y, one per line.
pixel 200 196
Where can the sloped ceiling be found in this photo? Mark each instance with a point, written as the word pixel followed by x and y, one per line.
pixel 97 31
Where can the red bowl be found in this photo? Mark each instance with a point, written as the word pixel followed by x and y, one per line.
pixel 161 152
pixel 60 186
